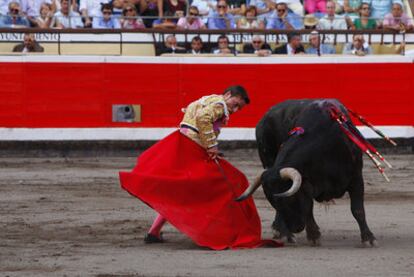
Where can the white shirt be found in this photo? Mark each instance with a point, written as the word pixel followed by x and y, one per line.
pixel 75 20
pixel 92 6
pixel 290 50
pixel 338 23
pixel 4 6
pixel 32 7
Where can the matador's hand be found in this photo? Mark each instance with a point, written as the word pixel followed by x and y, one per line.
pixel 213 153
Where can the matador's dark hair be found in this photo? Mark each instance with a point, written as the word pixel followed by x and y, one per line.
pixel 238 91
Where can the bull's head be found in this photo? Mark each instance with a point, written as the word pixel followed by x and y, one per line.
pixel 291 203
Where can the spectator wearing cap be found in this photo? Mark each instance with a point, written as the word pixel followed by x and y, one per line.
pixel 313 6
pixel 310 22
pixel 293 47
pixel 332 21
pixel 397 20
pixel 14 17
pixel 318 48
pixel 258 46
pixel 106 20
pixel 196 46
pixel 29 45
pixel 357 47
pixel 282 19
pixel 221 19
pixel 250 20
pixel 66 18
pixel 364 22
pixel 192 21
pixel 223 46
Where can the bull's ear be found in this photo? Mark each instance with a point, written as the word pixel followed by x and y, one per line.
pixel 251 188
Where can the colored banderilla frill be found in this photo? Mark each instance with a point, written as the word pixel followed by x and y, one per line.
pixel 358 139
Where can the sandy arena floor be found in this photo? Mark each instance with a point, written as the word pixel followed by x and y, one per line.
pixel 69 217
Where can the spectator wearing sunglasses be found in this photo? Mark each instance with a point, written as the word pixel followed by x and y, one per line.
pixel 258 47
pixel 221 19
pixel 129 19
pixel 14 17
pixel 192 21
pixel 106 20
pixel 364 21
pixel 282 19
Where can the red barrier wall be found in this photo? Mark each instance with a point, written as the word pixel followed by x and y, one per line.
pixel 59 94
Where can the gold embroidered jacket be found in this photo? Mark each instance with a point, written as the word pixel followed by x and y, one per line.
pixel 203 119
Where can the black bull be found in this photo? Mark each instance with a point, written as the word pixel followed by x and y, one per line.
pixel 321 163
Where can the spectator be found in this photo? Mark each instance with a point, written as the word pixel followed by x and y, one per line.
pixel 46 18
pixel 357 47
pixel 293 47
pixel 106 20
pixel 205 7
pixel 118 7
pixel 149 8
pixel 364 21
pixel 313 6
pixel 264 7
pixel 167 22
pixel 4 6
pixel 196 46
pixel 31 9
pixel 379 8
pixel 282 19
pixel 14 17
pixel 221 19
pixel 90 9
pixel 351 8
pixel 397 20
pixel 250 20
pixel 65 18
pixel 331 21
pixel 130 18
pixel 295 6
pixel 171 46
pixel 192 21
pixel 178 7
pixel 339 6
pixel 258 47
pixel 310 22
pixel 237 7
pixel 223 46
pixel 315 46
pixel 29 45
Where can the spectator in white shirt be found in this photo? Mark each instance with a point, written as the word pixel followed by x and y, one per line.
pixel 65 18
pixel 90 9
pixel 332 21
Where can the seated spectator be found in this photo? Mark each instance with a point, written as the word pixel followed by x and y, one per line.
pixel 318 48
pixel 264 7
pixel 331 21
pixel 310 22
pixel 4 6
pixel 65 18
pixel 221 19
pixel 357 47
pixel 106 20
pixel 196 46
pixel 178 7
pixel 397 20
pixel 14 17
pixel 295 6
pixel 205 7
pixel 45 18
pixel 129 19
pixel 293 47
pixel 169 21
pixel 223 46
pixel 118 7
pixel 90 9
pixel 192 21
pixel 282 19
pixel 237 7
pixel 171 46
pixel 149 9
pixel 313 6
pixel 29 45
pixel 379 8
pixel 364 22
pixel 258 47
pixel 31 9
pixel 250 20
pixel 351 8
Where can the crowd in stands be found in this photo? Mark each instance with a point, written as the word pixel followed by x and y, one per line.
pixel 207 14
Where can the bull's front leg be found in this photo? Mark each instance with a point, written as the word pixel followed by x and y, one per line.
pixel 312 229
pixel 280 229
pixel 356 193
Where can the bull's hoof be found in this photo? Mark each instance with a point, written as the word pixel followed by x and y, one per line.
pixel 370 243
pixel 276 234
pixel 314 242
pixel 291 240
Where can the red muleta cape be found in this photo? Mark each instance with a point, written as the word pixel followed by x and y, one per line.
pixel 195 194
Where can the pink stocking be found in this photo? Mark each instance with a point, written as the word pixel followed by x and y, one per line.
pixel 157 225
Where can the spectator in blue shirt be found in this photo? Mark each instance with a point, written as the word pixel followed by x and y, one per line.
pixel 14 17
pixel 316 48
pixel 379 8
pixel 282 19
pixel 220 19
pixel 106 21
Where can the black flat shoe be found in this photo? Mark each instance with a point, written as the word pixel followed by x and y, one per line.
pixel 149 238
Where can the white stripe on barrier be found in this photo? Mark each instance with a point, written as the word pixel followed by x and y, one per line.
pixel 228 134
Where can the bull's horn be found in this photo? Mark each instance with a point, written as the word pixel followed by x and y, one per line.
pixel 252 187
pixel 294 175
